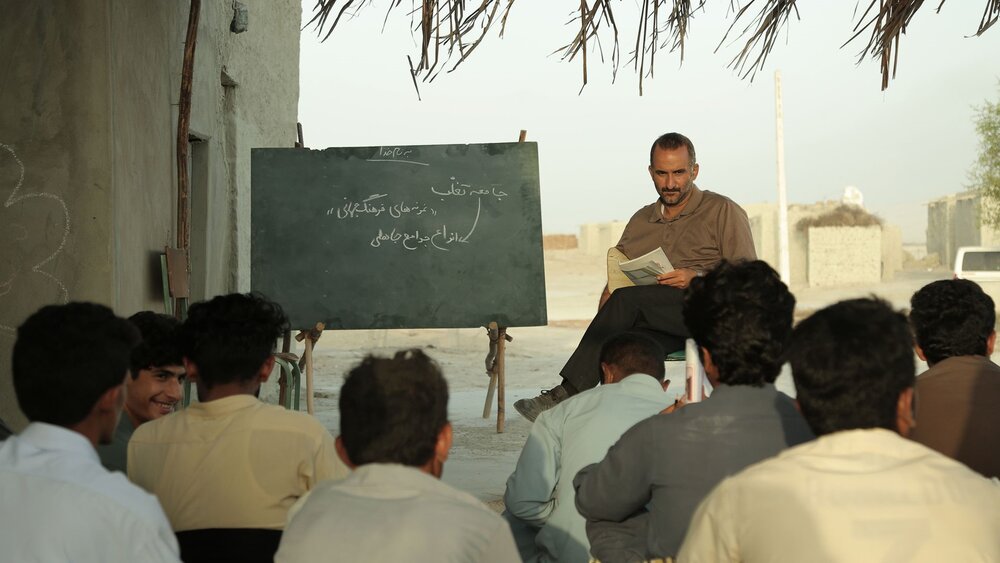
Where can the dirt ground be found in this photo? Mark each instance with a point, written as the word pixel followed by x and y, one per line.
pixel 482 459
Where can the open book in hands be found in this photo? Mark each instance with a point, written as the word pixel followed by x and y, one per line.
pixel 644 269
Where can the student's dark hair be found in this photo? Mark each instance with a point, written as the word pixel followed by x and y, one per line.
pixel 230 336
pixel 741 312
pixel 952 318
pixel 850 362
pixel 392 409
pixel 671 141
pixel 67 356
pixel 634 353
pixel 160 346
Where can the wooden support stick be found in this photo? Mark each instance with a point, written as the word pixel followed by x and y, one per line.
pixel 309 375
pixel 489 395
pixel 501 348
pixel 310 337
pixel 286 346
pixel 491 366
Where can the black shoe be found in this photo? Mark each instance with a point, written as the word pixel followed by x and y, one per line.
pixel 531 408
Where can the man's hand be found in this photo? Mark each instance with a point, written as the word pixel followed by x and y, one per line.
pixel 679 278
pixel 678 404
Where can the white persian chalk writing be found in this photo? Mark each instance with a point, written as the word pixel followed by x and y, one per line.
pixel 457 188
pixel 396 154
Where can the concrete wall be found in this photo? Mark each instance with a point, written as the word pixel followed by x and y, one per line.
pixel 596 238
pixel 892 251
pixel 844 255
pixel 88 111
pixel 954 221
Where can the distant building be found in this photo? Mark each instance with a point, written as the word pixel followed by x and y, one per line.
pixel 818 256
pixel 954 221
pixel 827 255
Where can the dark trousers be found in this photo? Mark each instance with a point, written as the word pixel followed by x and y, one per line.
pixel 654 310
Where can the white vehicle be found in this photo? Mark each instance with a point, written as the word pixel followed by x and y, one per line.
pixel 980 264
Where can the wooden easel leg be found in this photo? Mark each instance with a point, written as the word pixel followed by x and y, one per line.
pixel 286 345
pixel 309 375
pixel 501 348
pixel 489 395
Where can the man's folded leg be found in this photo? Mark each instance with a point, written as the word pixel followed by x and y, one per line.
pixel 652 309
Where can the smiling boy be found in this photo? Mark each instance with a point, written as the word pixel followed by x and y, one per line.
pixel 154 387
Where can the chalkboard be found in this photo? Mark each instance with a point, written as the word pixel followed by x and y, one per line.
pixel 438 236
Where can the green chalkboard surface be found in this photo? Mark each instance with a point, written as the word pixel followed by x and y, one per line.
pixel 439 236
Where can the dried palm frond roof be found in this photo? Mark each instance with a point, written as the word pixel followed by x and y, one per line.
pixel 841 216
pixel 458 27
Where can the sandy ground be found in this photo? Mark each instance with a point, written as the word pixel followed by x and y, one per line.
pixel 482 459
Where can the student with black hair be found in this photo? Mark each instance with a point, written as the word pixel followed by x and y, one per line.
pixel 740 314
pixel 860 491
pixel 394 432
pixel 155 385
pixel 56 501
pixel 958 398
pixel 231 461
pixel 576 433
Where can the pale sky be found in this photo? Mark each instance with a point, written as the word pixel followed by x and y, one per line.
pixel 902 147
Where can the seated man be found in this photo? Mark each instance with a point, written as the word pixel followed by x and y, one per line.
pixel 57 503
pixel 394 432
pixel 231 461
pixel 154 388
pixel 741 316
pixel 861 491
pixel 958 398
pixel 576 433
pixel 696 229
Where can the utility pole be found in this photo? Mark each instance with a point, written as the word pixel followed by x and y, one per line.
pixel 783 263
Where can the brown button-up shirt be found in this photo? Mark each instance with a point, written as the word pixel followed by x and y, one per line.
pixel 958 411
pixel 711 227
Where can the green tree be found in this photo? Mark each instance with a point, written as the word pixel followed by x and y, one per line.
pixel 985 174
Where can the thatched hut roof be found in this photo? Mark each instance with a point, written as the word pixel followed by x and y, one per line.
pixel 452 29
pixel 841 216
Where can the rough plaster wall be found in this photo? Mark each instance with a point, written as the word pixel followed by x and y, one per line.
pixel 844 255
pixel 55 225
pixel 145 188
pixel 88 105
pixel 264 61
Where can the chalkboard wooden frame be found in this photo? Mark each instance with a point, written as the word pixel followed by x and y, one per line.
pixel 431 236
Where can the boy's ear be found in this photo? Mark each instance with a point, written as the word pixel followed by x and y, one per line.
pixel 190 369
pixel 266 368
pixel 443 446
pixel 607 374
pixel 923 357
pixel 342 453
pixel 906 419
pixel 112 399
pixel 990 342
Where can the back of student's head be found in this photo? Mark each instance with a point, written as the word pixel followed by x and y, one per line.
pixel 392 409
pixel 230 336
pixel 952 318
pixel 850 362
pixel 67 356
pixel 741 312
pixel 160 346
pixel 632 353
